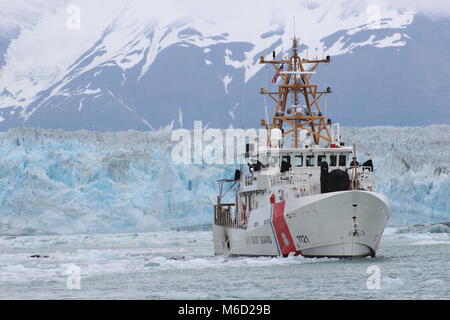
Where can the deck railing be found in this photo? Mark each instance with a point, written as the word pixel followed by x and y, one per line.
pixel 225 216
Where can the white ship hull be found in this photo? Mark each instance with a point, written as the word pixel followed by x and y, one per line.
pixel 340 224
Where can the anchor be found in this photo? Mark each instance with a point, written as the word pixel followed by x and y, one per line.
pixel 356 232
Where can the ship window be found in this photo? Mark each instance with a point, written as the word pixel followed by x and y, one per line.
pixel 285 163
pixel 298 161
pixel 321 159
pixel 342 161
pixel 310 161
pixel 286 159
pixel 333 160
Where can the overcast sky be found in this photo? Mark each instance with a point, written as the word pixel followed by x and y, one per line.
pixel 435 7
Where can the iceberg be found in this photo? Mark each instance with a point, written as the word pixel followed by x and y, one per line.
pixel 82 182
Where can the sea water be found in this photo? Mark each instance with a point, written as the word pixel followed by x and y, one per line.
pixel 411 264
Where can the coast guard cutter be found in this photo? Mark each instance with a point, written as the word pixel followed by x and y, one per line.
pixel 305 192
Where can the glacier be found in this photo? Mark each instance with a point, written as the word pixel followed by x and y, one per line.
pixel 84 182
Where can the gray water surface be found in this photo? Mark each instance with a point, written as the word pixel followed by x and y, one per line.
pixel 181 265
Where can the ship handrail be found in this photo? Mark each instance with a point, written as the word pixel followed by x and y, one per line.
pixel 292 178
pixel 362 171
pixel 223 216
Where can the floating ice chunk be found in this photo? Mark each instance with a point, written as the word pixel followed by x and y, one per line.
pixel 388 283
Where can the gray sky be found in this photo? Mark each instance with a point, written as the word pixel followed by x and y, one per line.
pixel 439 7
pixel 433 7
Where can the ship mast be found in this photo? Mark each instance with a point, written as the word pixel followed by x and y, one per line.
pixel 296 83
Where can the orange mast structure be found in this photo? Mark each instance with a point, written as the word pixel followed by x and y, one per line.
pixel 296 82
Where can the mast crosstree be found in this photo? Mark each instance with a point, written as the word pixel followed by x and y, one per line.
pixel 296 83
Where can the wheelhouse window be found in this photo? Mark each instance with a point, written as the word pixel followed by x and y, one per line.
pixel 310 161
pixel 286 159
pixel 321 159
pixel 285 163
pixel 333 160
pixel 342 160
pixel 298 161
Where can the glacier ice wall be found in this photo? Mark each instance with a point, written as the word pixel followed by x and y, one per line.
pixel 411 168
pixel 53 181
pixel 85 182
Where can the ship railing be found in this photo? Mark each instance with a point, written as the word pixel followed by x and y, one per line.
pixel 249 179
pixel 225 216
pixel 299 178
pixel 359 181
pixel 293 178
pixel 363 173
pixel 279 179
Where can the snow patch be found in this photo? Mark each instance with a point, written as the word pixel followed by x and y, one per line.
pixel 226 81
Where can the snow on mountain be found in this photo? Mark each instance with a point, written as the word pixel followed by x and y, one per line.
pixel 137 65
pixel 54 181
pixel 42 52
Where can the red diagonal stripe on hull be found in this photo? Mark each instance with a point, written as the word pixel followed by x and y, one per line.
pixel 282 231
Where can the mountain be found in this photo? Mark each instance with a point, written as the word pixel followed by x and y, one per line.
pixel 137 66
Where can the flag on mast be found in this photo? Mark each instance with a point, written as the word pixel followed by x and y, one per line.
pixel 277 74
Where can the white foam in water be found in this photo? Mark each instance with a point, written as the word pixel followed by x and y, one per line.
pixel 423 235
pixel 436 282
pixel 431 242
pixel 389 283
pixel 390 230
pixel 182 265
